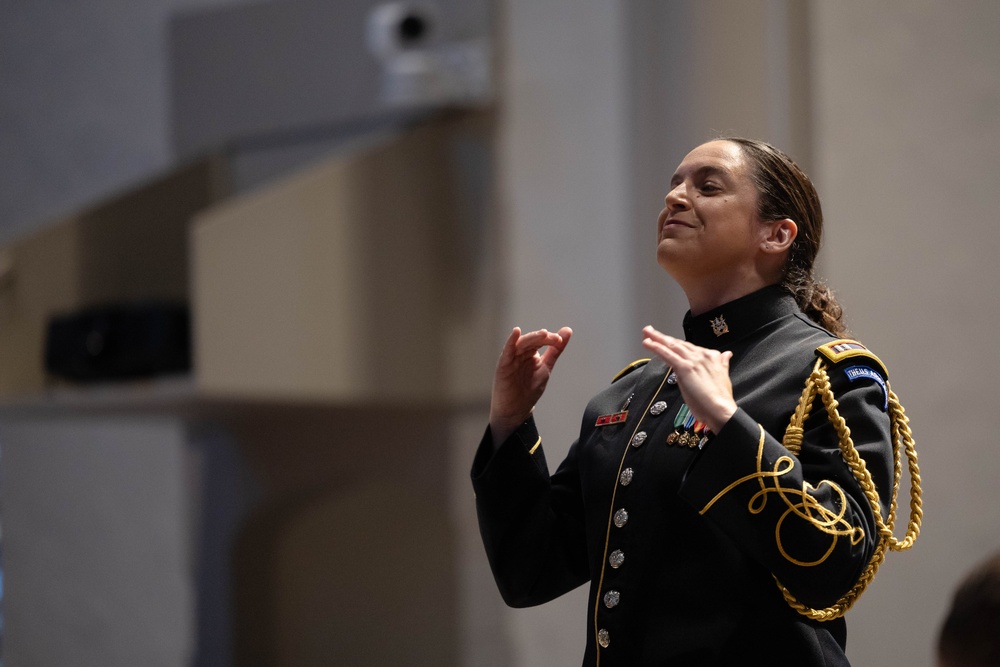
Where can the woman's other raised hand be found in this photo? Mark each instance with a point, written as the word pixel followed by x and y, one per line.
pixel 522 373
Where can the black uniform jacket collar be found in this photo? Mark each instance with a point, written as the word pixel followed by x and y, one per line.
pixel 722 327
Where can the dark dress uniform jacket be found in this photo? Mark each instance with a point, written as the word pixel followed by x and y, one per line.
pixel 682 545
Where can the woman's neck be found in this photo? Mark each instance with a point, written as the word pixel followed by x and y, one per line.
pixel 703 295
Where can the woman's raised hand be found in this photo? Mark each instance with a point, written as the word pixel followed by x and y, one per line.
pixel 522 372
pixel 702 375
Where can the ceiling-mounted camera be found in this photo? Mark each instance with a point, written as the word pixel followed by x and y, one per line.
pixel 419 67
pixel 398 27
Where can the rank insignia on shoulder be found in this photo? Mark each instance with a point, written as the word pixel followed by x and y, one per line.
pixel 844 348
pixel 638 363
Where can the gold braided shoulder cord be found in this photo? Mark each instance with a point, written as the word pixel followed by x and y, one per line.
pixel 819 383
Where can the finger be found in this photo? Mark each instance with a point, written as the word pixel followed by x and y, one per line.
pixel 529 343
pixel 535 340
pixel 662 351
pixel 681 356
pixel 656 340
pixel 554 350
pixel 653 341
pixel 667 341
pixel 649 331
pixel 538 337
pixel 681 348
pixel 561 339
pixel 512 339
pixel 510 346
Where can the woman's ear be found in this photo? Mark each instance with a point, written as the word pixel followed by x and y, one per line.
pixel 779 235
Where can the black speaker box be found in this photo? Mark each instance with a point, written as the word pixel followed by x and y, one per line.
pixel 119 342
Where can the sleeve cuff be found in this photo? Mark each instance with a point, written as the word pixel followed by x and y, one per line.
pixel 524 439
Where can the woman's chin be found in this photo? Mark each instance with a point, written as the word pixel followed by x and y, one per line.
pixel 669 256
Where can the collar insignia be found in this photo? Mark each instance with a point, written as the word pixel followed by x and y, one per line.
pixel 719 326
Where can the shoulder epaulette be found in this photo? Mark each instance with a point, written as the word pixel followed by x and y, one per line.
pixel 638 363
pixel 845 348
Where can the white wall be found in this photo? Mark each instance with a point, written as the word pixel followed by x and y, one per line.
pixel 907 144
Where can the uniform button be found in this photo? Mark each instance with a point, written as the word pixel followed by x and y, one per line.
pixel 626 476
pixel 638 439
pixel 611 599
pixel 672 378
pixel 616 558
pixel 658 408
pixel 621 518
pixel 603 638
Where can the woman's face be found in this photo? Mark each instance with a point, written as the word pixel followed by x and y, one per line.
pixel 709 229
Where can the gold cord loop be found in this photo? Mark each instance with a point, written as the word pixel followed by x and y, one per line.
pixel 902 440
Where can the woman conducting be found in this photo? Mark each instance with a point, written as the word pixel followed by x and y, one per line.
pixel 730 498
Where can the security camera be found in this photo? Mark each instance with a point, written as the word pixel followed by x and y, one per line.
pixel 395 28
pixel 419 70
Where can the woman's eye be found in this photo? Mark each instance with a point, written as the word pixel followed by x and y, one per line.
pixel 709 187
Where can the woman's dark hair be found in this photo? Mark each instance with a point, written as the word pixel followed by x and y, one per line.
pixel 785 191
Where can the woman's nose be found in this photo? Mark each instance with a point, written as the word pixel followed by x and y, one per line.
pixel 676 198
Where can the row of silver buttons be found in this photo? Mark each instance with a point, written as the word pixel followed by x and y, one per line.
pixel 617 557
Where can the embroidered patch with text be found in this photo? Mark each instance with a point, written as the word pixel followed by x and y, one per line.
pixel 855 373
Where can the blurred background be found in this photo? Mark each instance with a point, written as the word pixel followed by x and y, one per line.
pixel 348 204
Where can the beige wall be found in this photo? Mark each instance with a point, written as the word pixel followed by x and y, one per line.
pixel 907 144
